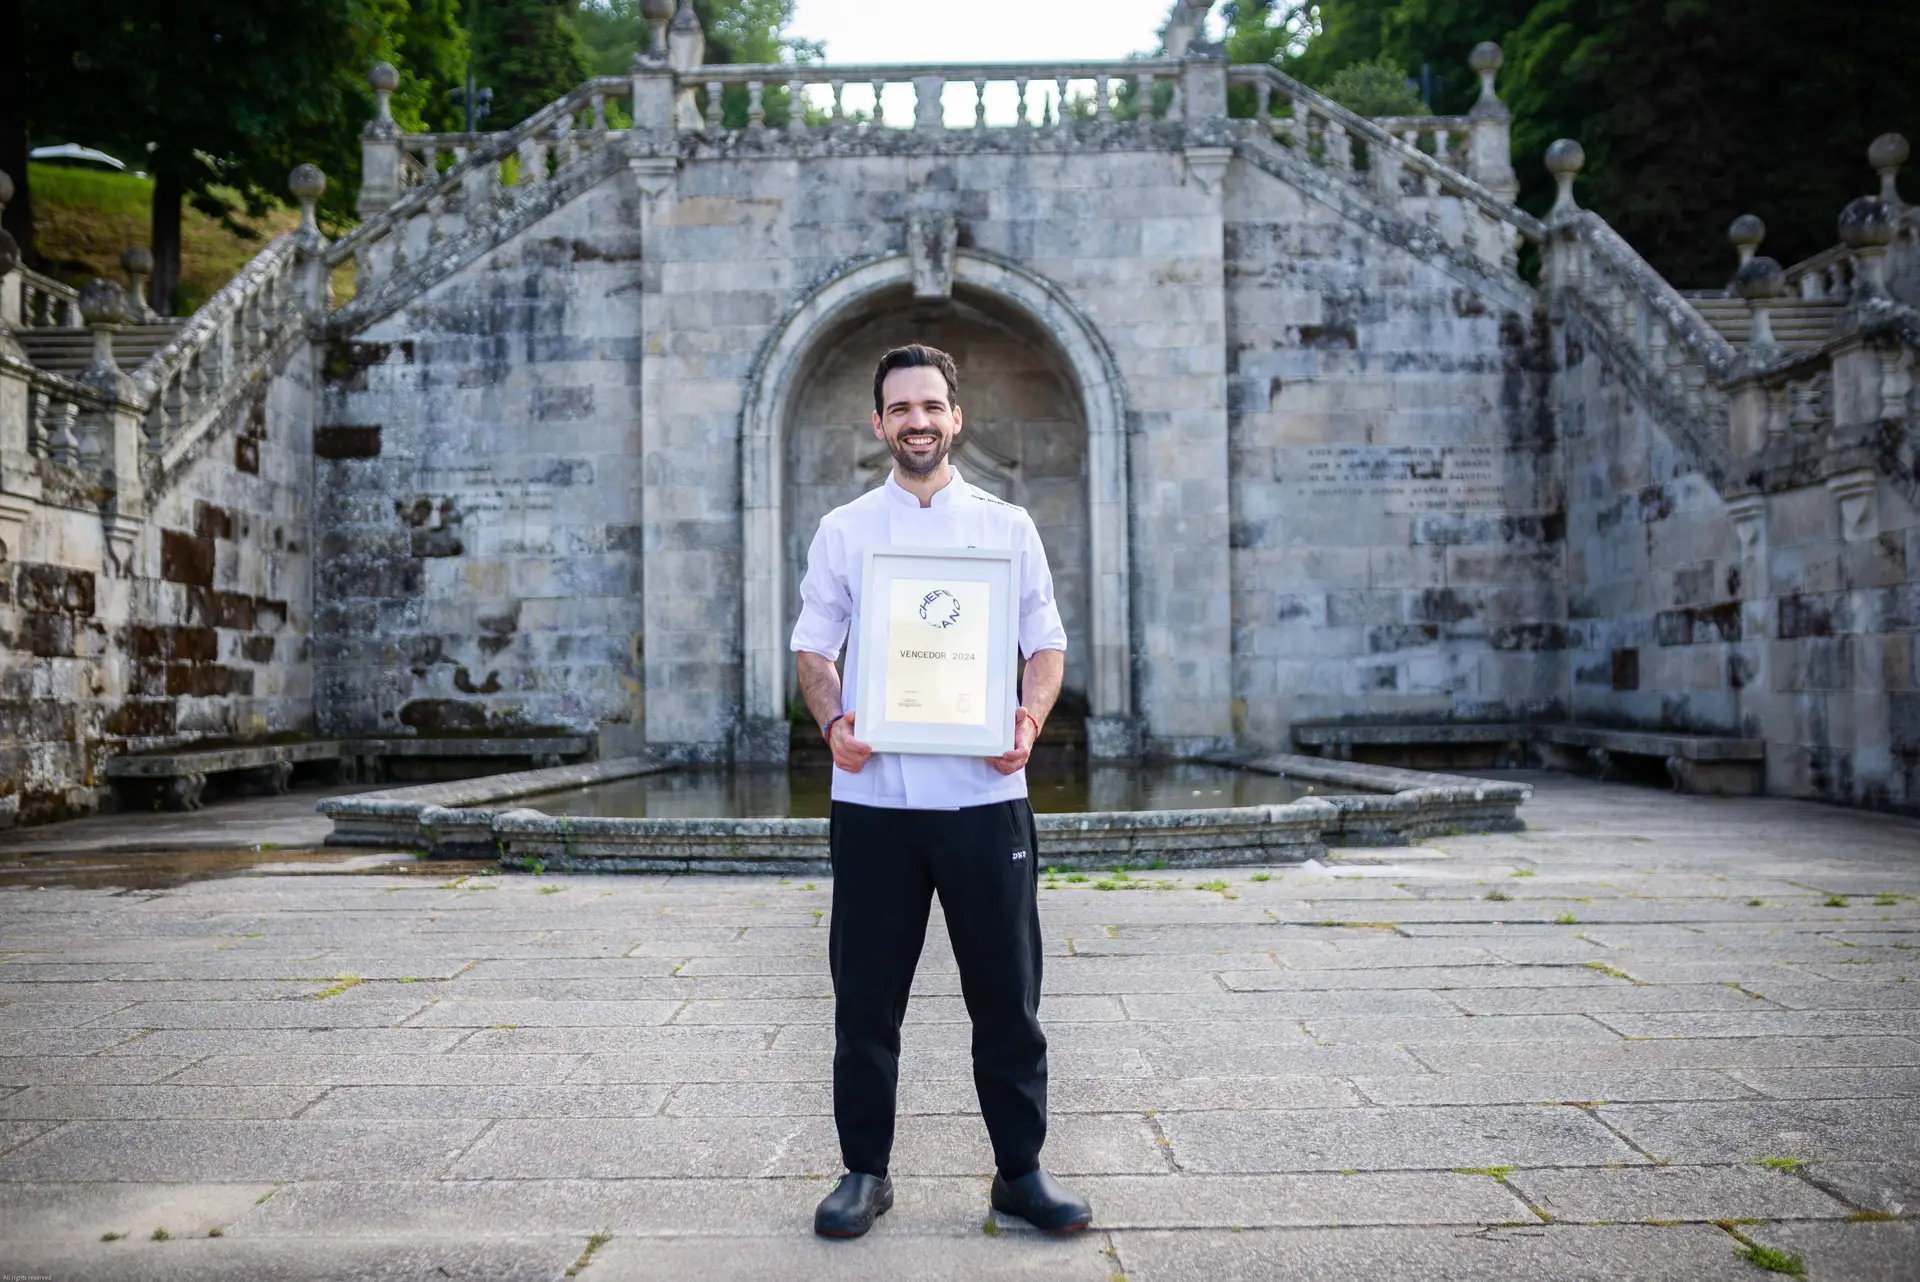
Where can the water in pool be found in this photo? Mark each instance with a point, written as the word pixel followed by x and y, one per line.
pixel 777 792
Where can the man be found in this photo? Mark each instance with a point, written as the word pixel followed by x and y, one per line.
pixel 906 826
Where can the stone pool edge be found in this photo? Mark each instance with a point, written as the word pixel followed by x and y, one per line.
pixel 465 819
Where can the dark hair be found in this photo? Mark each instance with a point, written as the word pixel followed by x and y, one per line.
pixel 915 356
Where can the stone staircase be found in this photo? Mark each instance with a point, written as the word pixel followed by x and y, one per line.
pixel 1799 324
pixel 68 351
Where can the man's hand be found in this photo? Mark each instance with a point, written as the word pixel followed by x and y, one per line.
pixel 1026 728
pixel 848 752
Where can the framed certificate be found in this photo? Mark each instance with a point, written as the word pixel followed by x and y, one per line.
pixel 939 635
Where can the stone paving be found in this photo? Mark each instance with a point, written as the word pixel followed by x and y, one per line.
pixel 1651 1037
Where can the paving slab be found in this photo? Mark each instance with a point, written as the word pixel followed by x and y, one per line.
pixel 200 1151
pixel 1704 1194
pixel 1807 1130
pixel 1549 1088
pixel 80 1213
pixel 1570 1253
pixel 63 1103
pixel 1847 1252
pixel 1390 1139
pixel 1890 1187
pixel 974 1258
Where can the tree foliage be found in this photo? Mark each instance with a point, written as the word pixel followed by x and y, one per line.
pixel 1374 89
pixel 218 99
pixel 527 51
pixel 1690 111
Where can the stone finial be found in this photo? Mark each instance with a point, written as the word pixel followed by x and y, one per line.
pixel 9 253
pixel 686 41
pixel 307 184
pixel 1867 226
pixel 103 306
pixel 6 189
pixel 137 262
pixel 1746 232
pixel 1760 281
pixel 657 14
pixel 1565 158
pixel 1886 154
pixel 1485 61
pixel 384 80
pixel 1868 223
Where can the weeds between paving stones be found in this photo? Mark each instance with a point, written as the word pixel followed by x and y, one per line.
pixel 1261 876
pixel 1779 1163
pixel 1773 1260
pixel 1835 901
pixel 345 982
pixel 1522 872
pixel 1756 902
pixel 594 1243
pixel 1885 900
pixel 160 1234
pixel 1497 895
pixel 1870 1217
pixel 111 1237
pixel 1566 919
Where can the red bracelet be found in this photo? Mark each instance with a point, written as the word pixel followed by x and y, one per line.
pixel 1022 712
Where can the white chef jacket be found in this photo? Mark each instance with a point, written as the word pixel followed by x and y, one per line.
pixel 961 516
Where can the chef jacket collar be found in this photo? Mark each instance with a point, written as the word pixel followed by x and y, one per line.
pixel 941 497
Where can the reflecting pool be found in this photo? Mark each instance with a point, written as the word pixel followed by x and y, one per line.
pixel 781 792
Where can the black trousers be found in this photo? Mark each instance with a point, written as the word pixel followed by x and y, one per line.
pixel 886 866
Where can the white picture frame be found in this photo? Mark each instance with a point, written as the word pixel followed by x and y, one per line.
pixel 925 705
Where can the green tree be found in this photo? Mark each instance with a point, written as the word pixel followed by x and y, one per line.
pixel 217 99
pixel 1374 89
pixel 527 51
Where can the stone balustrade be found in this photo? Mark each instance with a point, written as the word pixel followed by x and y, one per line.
pixel 413 204
pixel 38 302
pixel 1060 96
pixel 1442 137
pixel 66 422
pixel 189 382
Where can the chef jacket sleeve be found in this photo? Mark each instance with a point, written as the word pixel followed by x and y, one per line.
pixel 1040 626
pixel 826 601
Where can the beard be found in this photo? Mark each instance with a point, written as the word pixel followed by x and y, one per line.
pixel 920 466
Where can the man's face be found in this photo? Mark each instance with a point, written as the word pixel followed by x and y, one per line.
pixel 917 420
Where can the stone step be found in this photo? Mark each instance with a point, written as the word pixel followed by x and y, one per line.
pixel 1798 324
pixel 68 351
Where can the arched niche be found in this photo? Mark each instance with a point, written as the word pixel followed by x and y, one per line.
pixel 997 293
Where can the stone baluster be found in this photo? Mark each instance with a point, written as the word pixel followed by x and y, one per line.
pixel 796 105
pixel 599 101
pixel 1383 166
pixel 39 424
pixel 154 427
pixel 879 104
pixel 1886 154
pixel 756 105
pixel 530 154
pixel 566 144
pixel 1020 87
pixel 1060 118
pixel 715 104
pixel 430 160
pixel 839 106
pixel 928 112
pixel 1103 108
pixel 1339 146
pixel 1177 104
pixel 979 103
pixel 1760 281
pixel 62 446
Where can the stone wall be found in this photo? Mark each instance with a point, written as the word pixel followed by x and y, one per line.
pixel 204 637
pixel 1788 616
pixel 477 470
pixel 1397 508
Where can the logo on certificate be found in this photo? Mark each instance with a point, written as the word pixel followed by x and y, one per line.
pixel 940 608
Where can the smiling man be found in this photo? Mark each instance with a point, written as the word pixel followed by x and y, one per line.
pixel 906 826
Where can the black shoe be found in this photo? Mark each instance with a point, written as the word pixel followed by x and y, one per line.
pixel 856 1201
pixel 1043 1202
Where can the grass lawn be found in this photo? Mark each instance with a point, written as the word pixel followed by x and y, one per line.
pixel 84 218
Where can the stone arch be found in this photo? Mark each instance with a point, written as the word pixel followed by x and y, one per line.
pixel 769 404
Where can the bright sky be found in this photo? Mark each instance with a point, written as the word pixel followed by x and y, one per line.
pixel 981 30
